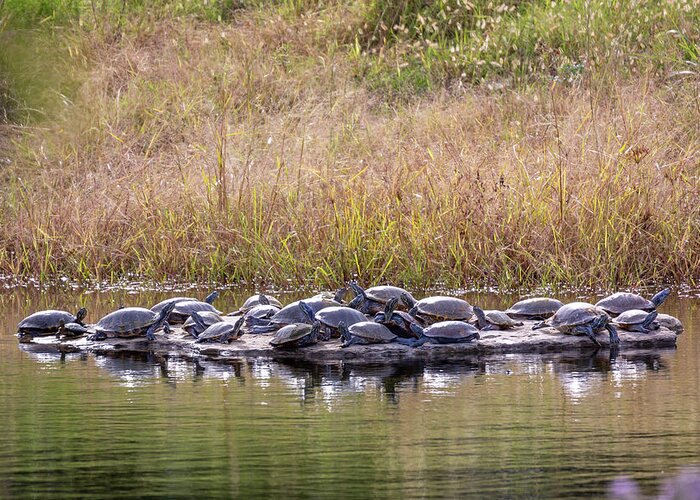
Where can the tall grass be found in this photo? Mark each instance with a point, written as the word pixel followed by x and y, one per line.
pixel 268 144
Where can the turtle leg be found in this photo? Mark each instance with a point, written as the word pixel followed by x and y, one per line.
pixel 97 336
pixel 586 330
pixel 649 320
pixel 166 328
pixel 637 328
pixel 150 332
pixel 349 342
pixel 614 339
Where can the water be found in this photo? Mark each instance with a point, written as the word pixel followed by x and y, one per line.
pixel 510 426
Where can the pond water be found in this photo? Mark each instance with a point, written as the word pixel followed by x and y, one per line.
pixel 516 426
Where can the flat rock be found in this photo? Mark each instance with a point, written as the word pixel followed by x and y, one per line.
pixel 519 340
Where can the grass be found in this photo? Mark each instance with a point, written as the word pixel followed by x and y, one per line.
pixel 309 142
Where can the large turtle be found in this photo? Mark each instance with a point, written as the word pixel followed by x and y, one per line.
pixel 369 332
pixel 208 299
pixel 374 299
pixel 620 302
pixel 581 318
pixel 331 317
pixel 534 308
pixel 438 308
pixel 298 334
pixel 256 300
pixel 292 313
pixel 445 332
pixel 184 310
pixel 494 320
pixel 47 322
pixel 636 320
pixel 399 322
pixel 223 331
pixel 132 322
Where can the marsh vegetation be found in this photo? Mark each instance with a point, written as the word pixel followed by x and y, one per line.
pixel 508 143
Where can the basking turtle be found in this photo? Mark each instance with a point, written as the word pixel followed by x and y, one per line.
pixel 184 310
pixel 292 313
pixel 439 308
pixel 331 317
pixel 223 331
pixel 581 318
pixel 47 322
pixel 208 299
pixel 71 330
pixel 623 301
pixel 208 318
pixel 374 299
pixel 399 322
pixel 534 308
pixel 298 334
pixel 256 300
pixel 259 315
pixel 636 320
pixel 369 332
pixel 494 320
pixel 132 322
pixel 445 332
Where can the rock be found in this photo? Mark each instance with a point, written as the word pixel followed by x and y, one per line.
pixel 670 322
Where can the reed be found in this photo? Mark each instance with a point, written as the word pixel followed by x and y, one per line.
pixel 309 143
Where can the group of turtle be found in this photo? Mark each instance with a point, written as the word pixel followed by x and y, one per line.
pixel 380 314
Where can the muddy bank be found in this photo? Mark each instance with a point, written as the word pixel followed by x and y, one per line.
pixel 518 340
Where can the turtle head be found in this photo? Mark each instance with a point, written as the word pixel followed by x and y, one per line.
pixel 315 332
pixel 237 326
pixel 165 312
pixel 660 297
pixel 344 332
pixel 339 295
pixel 407 300
pixel 199 321
pixel 263 300
pixel 211 297
pixel 390 306
pixel 80 315
pixel 417 331
pixel 306 309
pixel 481 316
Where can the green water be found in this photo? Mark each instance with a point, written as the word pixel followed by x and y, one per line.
pixel 511 426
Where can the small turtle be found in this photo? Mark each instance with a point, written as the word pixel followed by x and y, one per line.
pixel 369 332
pixel 259 315
pixel 399 322
pixel 581 318
pixel 222 332
pixel 636 320
pixel 296 335
pixel 494 320
pixel 436 309
pixel 208 318
pixel 623 301
pixel 534 308
pixel 71 330
pixel 47 322
pixel 292 313
pixel 445 332
pixel 374 299
pixel 331 317
pixel 256 300
pixel 184 310
pixel 132 322
pixel 208 299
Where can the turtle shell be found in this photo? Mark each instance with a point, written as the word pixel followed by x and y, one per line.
pixel 440 308
pixel 127 322
pixel 209 318
pixel 45 322
pixel 620 302
pixel 295 335
pixel 332 316
pixel 574 314
pixel 450 330
pixel 291 313
pixel 184 310
pixel 632 317
pixel 254 300
pixel 534 308
pixel 501 319
pixel 385 293
pixel 160 305
pixel 215 332
pixel 371 332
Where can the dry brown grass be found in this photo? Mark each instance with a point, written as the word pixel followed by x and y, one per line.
pixel 252 152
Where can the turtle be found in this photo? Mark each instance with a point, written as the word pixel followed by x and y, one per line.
pixel 445 332
pixel 494 320
pixel 581 318
pixel 374 299
pixel 620 302
pixel 331 317
pixel 223 331
pixel 399 322
pixel 132 322
pixel 537 308
pixel 369 332
pixel 47 322
pixel 71 330
pixel 259 315
pixel 636 320
pixel 208 299
pixel 208 318
pixel 184 310
pixel 438 308
pixel 255 300
pixel 292 313
pixel 296 335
